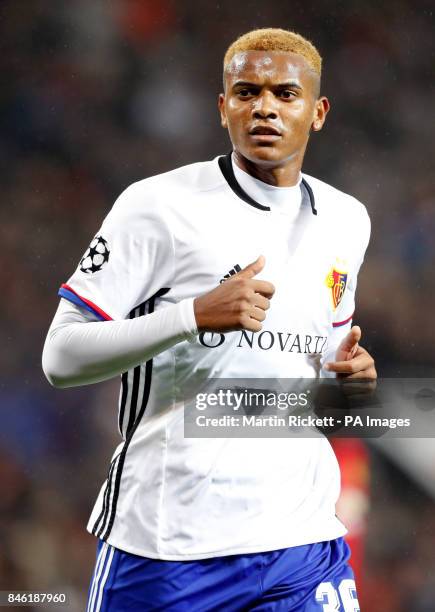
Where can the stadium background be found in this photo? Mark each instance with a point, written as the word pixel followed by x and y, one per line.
pixel 96 94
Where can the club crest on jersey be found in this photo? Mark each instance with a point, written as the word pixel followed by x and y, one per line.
pixel 336 281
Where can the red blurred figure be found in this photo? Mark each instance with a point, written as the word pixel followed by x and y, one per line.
pixel 354 500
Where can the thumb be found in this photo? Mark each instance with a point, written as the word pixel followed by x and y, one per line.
pixel 253 268
pixel 350 341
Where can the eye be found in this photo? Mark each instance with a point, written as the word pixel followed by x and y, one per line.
pixel 245 92
pixel 287 93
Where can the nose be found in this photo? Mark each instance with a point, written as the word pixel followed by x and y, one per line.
pixel 264 106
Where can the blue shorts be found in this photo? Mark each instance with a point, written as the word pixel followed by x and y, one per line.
pixel 310 578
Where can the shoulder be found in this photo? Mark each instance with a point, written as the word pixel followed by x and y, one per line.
pixel 342 215
pixel 157 193
pixel 337 205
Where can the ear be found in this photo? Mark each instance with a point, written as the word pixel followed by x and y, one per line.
pixel 320 111
pixel 221 106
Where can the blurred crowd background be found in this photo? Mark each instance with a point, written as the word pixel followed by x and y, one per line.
pixel 96 94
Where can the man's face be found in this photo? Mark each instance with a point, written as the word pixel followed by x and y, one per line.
pixel 269 106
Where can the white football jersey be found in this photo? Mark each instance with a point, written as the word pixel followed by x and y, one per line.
pixel 175 236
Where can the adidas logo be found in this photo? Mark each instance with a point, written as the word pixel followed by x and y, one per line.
pixel 231 273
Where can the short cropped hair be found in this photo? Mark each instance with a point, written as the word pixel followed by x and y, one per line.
pixel 275 39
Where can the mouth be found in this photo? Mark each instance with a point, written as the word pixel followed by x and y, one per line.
pixel 264 133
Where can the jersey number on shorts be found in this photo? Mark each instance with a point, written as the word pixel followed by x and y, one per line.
pixel 328 595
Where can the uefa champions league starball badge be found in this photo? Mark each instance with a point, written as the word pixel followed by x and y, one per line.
pixel 95 256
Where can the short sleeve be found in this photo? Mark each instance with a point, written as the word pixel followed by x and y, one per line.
pixel 345 280
pixel 128 261
pixel 345 310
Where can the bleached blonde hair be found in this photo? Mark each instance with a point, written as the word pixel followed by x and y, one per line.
pixel 275 39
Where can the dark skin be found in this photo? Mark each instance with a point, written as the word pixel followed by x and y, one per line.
pixel 275 91
pixel 270 106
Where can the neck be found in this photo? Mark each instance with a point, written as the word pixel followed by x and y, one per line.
pixel 285 175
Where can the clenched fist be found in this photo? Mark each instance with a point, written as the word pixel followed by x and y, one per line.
pixel 238 303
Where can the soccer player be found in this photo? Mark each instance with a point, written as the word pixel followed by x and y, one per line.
pixel 240 267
